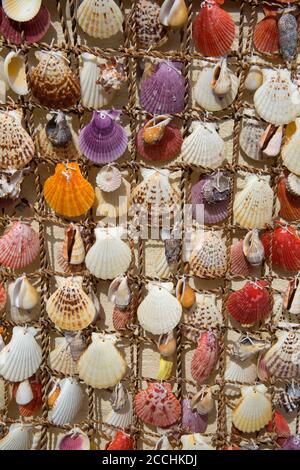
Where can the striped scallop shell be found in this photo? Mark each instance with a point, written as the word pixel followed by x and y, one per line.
pixel 243 372
pixel 20 11
pixel 203 146
pixel 60 359
pixel 93 95
pixel 122 419
pixel 282 361
pixel 239 264
pixel 68 403
pixel 208 257
pixel 19 437
pixel 249 139
pixel 100 18
pixel 19 245
pixel 254 410
pixel 205 356
pixel 291 148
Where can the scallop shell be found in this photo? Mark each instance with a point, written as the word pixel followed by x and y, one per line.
pixel 74 440
pixel 31 31
pixel 163 92
pixel 293 184
pixel 205 313
pixel 289 204
pixel 150 32
pixel 113 204
pixel 73 247
pixel 67 192
pixel 290 150
pixel 119 292
pixel 60 359
pixel 109 178
pixel 22 356
pixel 282 360
pixel 254 78
pixel 203 401
pixel 100 19
pixel 266 35
pixel 19 245
pixel 15 73
pixel 203 146
pixel 208 257
pixel 121 441
pixel 240 372
pixel 22 294
pixel 253 205
pixel 101 365
pixel 239 264
pixel 21 12
pixel 110 256
pixel 205 356
pixel 122 419
pixel 194 442
pixel 16 146
pixel 19 437
pixel 160 311
pixel 53 82
pixel 93 95
pixel 253 248
pixel 204 93
pixel 68 403
pixel 191 420
pixel 254 410
pixel 277 100
pixel 285 248
pixel 249 138
pixel 173 13
pixel 210 198
pixel 69 307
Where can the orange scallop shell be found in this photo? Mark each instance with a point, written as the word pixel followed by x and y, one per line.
pixel 121 441
pixel 289 204
pixel 266 35
pixel 67 192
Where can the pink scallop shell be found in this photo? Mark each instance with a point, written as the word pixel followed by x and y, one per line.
pixel 213 213
pixel 205 357
pixel 163 92
pixel 72 442
pixel 191 421
pixel 239 264
pixel 19 246
pixel 166 149
pixel 34 30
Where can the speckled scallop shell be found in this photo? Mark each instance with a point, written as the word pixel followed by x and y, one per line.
pixel 254 409
pixel 102 365
pixel 53 82
pixel 19 245
pixel 69 307
pixel 160 311
pixel 60 358
pixel 173 13
pixel 20 11
pixel 100 18
pixel 249 138
pixel 204 313
pixel 253 205
pixel 282 360
pixel 205 357
pixel 67 192
pixel 203 146
pixel 208 257
pixel 291 148
pixel 204 92
pixel 277 100
pixel 16 146
pixel 150 32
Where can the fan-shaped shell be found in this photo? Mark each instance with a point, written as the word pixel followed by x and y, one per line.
pixel 289 204
pixel 204 93
pixel 293 184
pixel 15 73
pixel 250 304
pixel 67 192
pixel 282 360
pixel 203 146
pixel 68 403
pixel 205 313
pixel 213 29
pixel 109 178
pixel 160 146
pixel 249 138
pixel 290 150
pixel 285 248
pixel 157 405
pixel 18 11
pixel 100 18
pixel 60 359
pixel 113 204
pixel 266 35
pixel 239 264
pixel 205 356
pixel 19 245
pixel 22 356
pixel 31 31
pixel 74 440
pixel 253 206
pixel 19 437
pixel 122 418
pixel 163 92
pixel 53 82
pixel 150 32
pixel 243 372
pixel 209 257
pixel 173 13
pixel 110 256
pixel 277 100
pixel 254 410
pixel 102 365
pixel 16 146
pixel 69 307
pixel 160 311
pixel 191 420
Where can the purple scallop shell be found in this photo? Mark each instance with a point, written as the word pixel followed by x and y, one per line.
pixel 292 443
pixel 191 420
pixel 213 212
pixel 163 92
pixel 103 140
pixel 34 30
pixel 72 442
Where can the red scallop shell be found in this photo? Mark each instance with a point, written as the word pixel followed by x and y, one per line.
pixel 289 204
pixel 121 318
pixel 3 297
pixel 19 246
pixel 205 357
pixel 157 405
pixel 250 304
pixel 285 248
pixel 239 264
pixel 34 30
pixel 167 148
pixel 36 403
pixel 213 30
pixel 281 426
pixel 121 441
pixel 266 35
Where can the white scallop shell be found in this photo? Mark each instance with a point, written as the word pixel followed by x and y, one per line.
pixel 60 359
pixel 204 312
pixel 101 365
pixel 209 255
pixel 22 294
pixel 203 146
pixel 173 13
pixel 122 419
pixel 92 95
pixel 15 73
pixel 295 305
pixel 291 150
pixel 277 100
pixel 249 138
pixel 204 93
pixel 109 178
pixel 114 203
pixel 254 410
pixel 160 311
pixel 19 437
pixel 293 184
pixel 22 356
pixel 244 372
pixel 68 402
pixel 100 18
pixel 253 205
pixel 254 78
pixel 24 393
pixel 21 11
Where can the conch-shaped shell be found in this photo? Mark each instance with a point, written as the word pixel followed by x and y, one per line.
pixel 291 300
pixel 185 294
pixel 53 82
pixel 22 294
pixel 67 192
pixel 16 146
pixel 102 365
pixel 110 256
pixel 191 420
pixel 68 402
pixel 100 19
pixel 19 246
pixel 254 410
pixel 22 356
pixel 270 140
pixel 10 185
pixel 93 95
pixel 119 292
pixel 203 401
pixel 15 73
pixel 205 357
pixel 28 396
pixel 160 311
pixel 122 410
pixel 253 248
pixel 69 307
pixel 19 437
pixel 58 130
pixel 254 78
pixel 73 248
pixel 167 344
pixel 173 13
pixel 149 30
